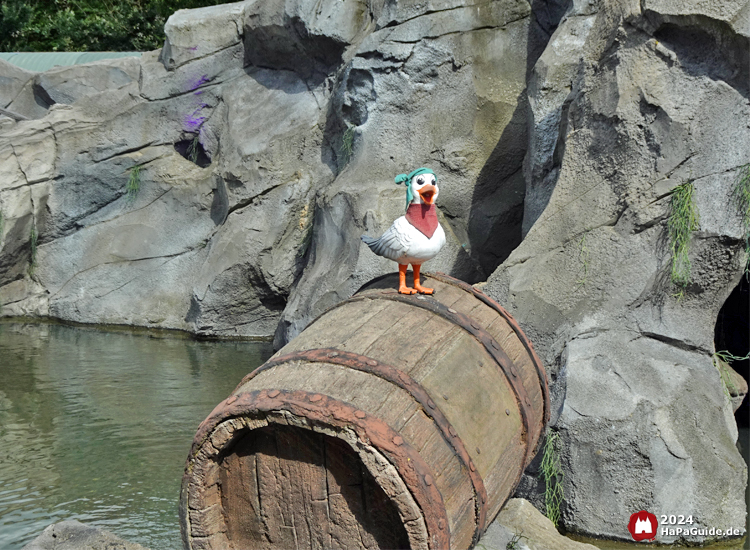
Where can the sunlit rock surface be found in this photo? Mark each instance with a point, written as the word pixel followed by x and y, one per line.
pixel 520 526
pixel 628 101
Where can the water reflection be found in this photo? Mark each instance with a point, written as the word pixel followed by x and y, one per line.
pixel 97 425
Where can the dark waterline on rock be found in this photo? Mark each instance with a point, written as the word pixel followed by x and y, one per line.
pixel 96 426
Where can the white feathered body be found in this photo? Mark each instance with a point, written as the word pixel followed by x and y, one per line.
pixel 405 244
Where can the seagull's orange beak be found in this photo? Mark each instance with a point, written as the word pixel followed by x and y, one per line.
pixel 427 194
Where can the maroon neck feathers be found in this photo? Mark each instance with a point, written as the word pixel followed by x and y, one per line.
pixel 423 217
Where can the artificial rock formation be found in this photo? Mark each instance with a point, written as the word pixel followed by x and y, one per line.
pixel 296 117
pixel 629 100
pixel 220 186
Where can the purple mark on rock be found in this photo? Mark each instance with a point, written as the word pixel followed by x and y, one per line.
pixel 193 123
pixel 194 48
pixel 194 84
pixel 194 120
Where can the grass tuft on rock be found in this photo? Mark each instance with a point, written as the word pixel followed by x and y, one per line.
pixel 683 220
pixel 347 145
pixel 551 471
pixel 134 183
pixel 723 359
pixel 192 150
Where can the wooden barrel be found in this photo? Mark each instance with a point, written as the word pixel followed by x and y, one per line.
pixel 392 421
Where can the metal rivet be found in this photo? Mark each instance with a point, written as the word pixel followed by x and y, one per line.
pixel 428 479
pixel 513 371
pixel 478 451
pixel 273 393
pixel 231 399
pixel 398 440
pixel 372 362
pixel 495 344
pixel 334 354
pixel 472 467
pixel 316 397
pixel 507 411
pixel 431 403
pixel 452 431
pixel 451 310
pixel 528 403
pixel 475 325
pixel 441 524
pixel 445 397
pixel 360 414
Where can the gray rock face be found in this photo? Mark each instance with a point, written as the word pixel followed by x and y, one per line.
pixel 397 99
pixel 74 535
pixel 297 117
pixel 12 81
pixel 220 187
pixel 650 100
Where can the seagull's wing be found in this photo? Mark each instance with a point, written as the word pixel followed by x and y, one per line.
pixel 394 243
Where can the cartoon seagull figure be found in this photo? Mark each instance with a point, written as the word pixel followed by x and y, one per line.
pixel 417 236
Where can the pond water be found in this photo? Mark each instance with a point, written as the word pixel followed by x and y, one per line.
pixel 97 425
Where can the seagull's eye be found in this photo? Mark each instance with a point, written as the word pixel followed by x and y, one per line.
pixel 420 180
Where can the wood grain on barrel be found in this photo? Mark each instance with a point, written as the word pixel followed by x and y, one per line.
pixel 291 488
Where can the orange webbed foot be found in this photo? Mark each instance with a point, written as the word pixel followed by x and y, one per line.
pixel 423 289
pixel 402 288
pixel 417 286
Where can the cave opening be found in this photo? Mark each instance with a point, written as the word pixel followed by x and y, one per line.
pixel 193 150
pixel 732 335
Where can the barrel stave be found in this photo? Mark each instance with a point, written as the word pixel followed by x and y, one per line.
pixel 404 342
pixel 464 527
pixel 501 479
pixel 347 323
pixel 364 391
pixel 477 399
pixel 451 479
pixel 526 370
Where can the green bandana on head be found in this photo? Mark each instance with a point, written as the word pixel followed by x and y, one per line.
pixel 406 179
